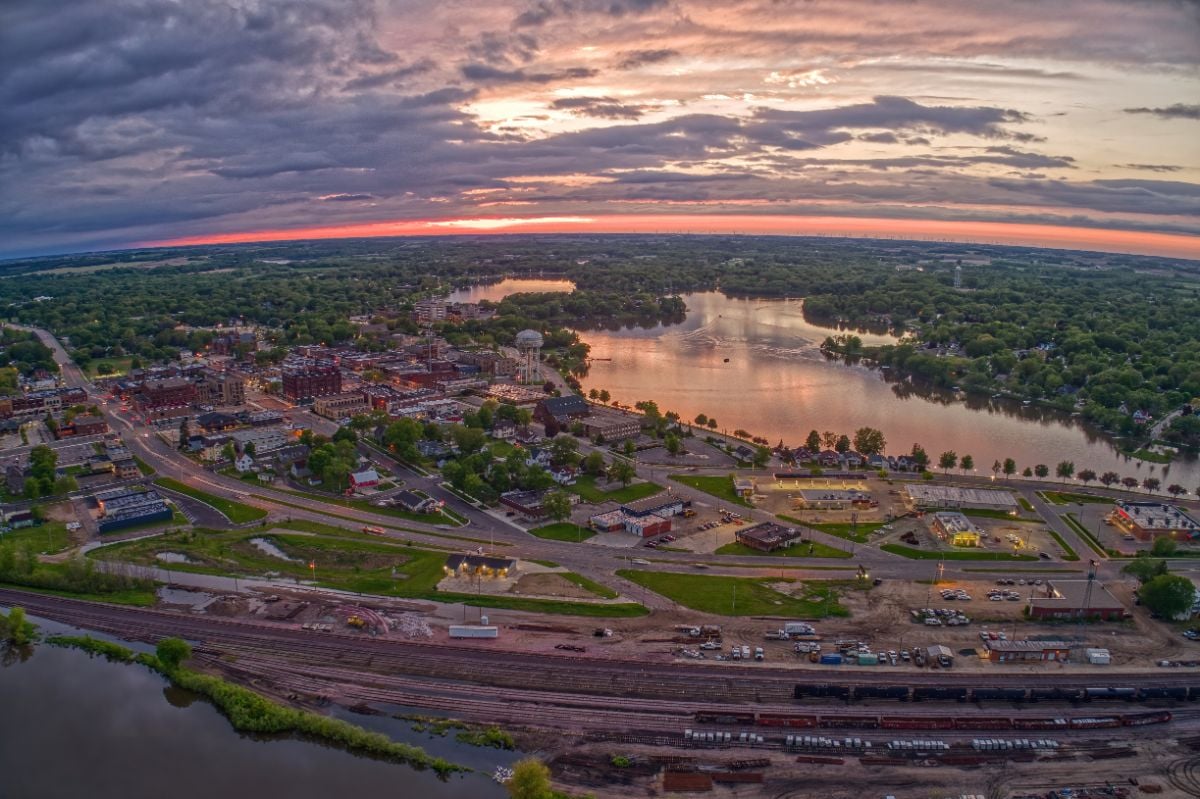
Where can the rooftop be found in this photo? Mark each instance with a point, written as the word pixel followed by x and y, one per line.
pixel 1072 594
pixel 650 504
pixel 921 492
pixel 1157 516
pixel 1025 646
pixel 770 534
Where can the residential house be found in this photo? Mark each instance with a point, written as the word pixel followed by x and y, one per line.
pixel 367 478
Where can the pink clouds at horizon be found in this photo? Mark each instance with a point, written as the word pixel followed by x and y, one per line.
pixel 1010 233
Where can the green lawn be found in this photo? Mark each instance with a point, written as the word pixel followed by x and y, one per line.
pixel 588 584
pixel 333 515
pixel 143 467
pixel 1070 498
pixel 444 517
pixel 840 529
pixel 586 488
pixel 719 487
pixel 144 599
pixel 1026 505
pixel 741 596
pixel 1147 455
pixel 800 550
pixel 47 537
pixel 989 513
pixel 929 554
pixel 120 366
pixel 236 512
pixel 563 531
pixel 500 449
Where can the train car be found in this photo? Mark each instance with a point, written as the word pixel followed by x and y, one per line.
pixel 916 723
pixel 983 723
pixel 849 722
pixel 923 693
pixel 1095 722
pixel 1055 694
pixel 998 694
pixel 1040 724
pixel 1193 693
pixel 721 717
pixel 881 692
pixel 784 720
pixel 1179 693
pixel 1142 719
pixel 1109 694
pixel 821 691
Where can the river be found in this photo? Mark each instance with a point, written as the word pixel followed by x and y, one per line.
pixel 756 364
pixel 74 725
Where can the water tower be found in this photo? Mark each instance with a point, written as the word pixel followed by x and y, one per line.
pixel 958 276
pixel 529 356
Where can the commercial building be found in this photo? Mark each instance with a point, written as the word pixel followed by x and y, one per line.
pixel 955 528
pixel 165 399
pixel 768 537
pixel 264 439
pixel 305 379
pixel 562 410
pixel 610 426
pixel 514 395
pixel 529 503
pixel 1025 651
pixel 222 388
pixel 121 508
pixel 649 525
pixel 611 522
pixel 833 499
pixel 659 505
pixel 925 496
pixel 431 310
pixel 1149 520
pixel 479 566
pixel 1070 599
pixel 340 406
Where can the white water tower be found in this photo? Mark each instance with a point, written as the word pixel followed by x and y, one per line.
pixel 529 355
pixel 958 276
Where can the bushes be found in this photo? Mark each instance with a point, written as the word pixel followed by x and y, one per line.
pixel 75 576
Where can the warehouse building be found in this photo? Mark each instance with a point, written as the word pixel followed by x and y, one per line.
pixel 923 496
pixel 1069 599
pixel 1149 520
pixel 1025 651
pixel 658 505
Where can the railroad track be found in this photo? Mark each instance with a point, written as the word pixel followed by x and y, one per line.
pixel 1184 775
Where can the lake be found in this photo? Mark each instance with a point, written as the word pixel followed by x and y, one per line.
pixel 494 292
pixel 73 725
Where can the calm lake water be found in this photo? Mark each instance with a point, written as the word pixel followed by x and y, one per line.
pixel 72 725
pixel 757 365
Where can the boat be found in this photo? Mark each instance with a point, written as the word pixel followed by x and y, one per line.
pixel 726 360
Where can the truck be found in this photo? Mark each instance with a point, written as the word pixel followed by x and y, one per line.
pixel 798 628
pixel 758 653
pixel 776 635
pixel 831 659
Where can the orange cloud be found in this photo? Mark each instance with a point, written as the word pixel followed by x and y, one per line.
pixel 1057 236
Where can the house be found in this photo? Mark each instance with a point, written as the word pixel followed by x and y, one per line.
pixel 854 460
pixel 561 410
pixel 829 458
pixel 415 503
pixel 367 478
pixel 126 469
pixel 216 422
pixel 16 519
pixel 529 503
pixel 243 463
pixel 286 456
pixel 434 450
pixel 1073 599
pixel 743 487
pixel 877 462
pixel 743 452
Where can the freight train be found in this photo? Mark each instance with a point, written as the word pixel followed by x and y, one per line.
pixel 903 693
pixel 879 722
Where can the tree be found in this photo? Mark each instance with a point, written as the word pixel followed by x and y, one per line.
pixel 593 394
pixel 1129 482
pixel 1027 472
pixel 1041 470
pixel 1145 568
pixel 629 447
pixel 530 780
pixel 1176 490
pixel 1163 547
pixel 762 456
pixel 604 396
pixel 829 439
pixel 1151 484
pixel 1168 595
pixel 593 463
pixel 229 451
pixel 250 449
pixel 996 467
pixel 673 444
pixel 345 434
pixel 813 442
pixel 622 470
pixel 1065 469
pixel 869 441
pixel 712 423
pixel 65 484
pixel 42 463
pixel 557 506
pixel 919 457
pixel 967 463
pixel 947 460
pixel 1109 479
pixel 701 419
pixel 564 451
pixel 842 445
pixel 1087 476
pixel 172 652
pixel 1010 467
pixel 184 433
pixel 16 629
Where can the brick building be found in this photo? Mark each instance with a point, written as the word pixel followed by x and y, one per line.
pixel 306 379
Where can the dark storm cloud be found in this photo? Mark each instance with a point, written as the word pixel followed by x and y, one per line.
pixel 1152 167
pixel 599 107
pixel 1176 111
pixel 391 76
pixel 482 73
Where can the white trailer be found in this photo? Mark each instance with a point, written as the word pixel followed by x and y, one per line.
pixel 474 631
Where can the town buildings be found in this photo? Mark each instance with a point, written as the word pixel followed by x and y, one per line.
pixel 305 379
pixel 1149 520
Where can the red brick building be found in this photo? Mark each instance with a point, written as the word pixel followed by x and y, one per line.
pixel 307 379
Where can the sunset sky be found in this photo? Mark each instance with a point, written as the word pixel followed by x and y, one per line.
pixel 1070 123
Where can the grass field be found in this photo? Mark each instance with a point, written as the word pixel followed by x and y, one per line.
pixel 587 489
pixel 929 554
pixel 800 550
pixel 1070 498
pixel 719 487
pixel 741 596
pixel 989 513
pixel 563 531
pixel 588 584
pixel 840 529
pixel 1147 455
pixel 1026 505
pixel 236 512
pixel 48 537
pixel 1071 554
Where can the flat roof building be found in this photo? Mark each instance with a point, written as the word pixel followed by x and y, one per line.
pixel 955 528
pixel 924 495
pixel 1149 520
pixel 1069 599
pixel 479 565
pixel 1015 651
pixel 768 537
pixel 834 499
pixel 659 505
